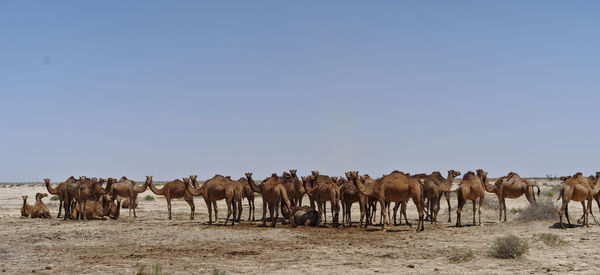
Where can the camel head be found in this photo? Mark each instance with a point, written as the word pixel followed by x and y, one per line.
pixel 70 179
pixel 47 181
pixel 564 178
pixel 335 179
pixel 597 175
pixel 24 198
pixel 186 181
pixel 287 176
pixel 248 175
pixel 228 177
pixel 149 179
pixel 124 178
pixel 578 174
pixel 348 175
pixel 274 175
pixel 293 172
pixel 315 173
pixel 192 177
pixel 482 174
pixel 454 173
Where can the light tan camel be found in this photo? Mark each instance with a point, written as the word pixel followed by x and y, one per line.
pixel 249 195
pixel 395 187
pixel 129 189
pixel 218 188
pixel 293 187
pixel 39 209
pixel 175 190
pixel 577 188
pixel 272 192
pixel 512 186
pixel 472 187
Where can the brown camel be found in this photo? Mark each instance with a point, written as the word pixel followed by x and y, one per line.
pixel 512 186
pixel 39 209
pixel 472 187
pixel 99 210
pixel 593 179
pixel 395 187
pixel 293 187
pixel 129 189
pixel 249 195
pixel 59 190
pixel 273 193
pixel 218 188
pixel 577 188
pixel 434 187
pixel 26 209
pixel 323 189
pixel 126 202
pixel 175 190
pixel 349 194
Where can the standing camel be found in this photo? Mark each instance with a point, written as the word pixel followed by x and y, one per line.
pixel 434 187
pixel 395 187
pixel 175 190
pixel 512 186
pixel 129 189
pixel 219 188
pixel 77 193
pixel 273 193
pixel 472 187
pixel 59 190
pixel 323 189
pixel 349 194
pixel 577 188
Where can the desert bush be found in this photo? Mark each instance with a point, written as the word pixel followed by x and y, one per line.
pixel 551 239
pixel 515 210
pixel 544 210
pixel 549 194
pixel 54 198
pixel 149 198
pixel 509 247
pixel 490 203
pixel 460 255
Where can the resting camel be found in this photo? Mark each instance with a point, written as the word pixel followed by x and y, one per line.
pixel 129 189
pixel 273 193
pixel 304 216
pixel 26 209
pixel 175 190
pixel 349 194
pixel 218 188
pixel 39 209
pixel 323 189
pixel 512 186
pixel 59 190
pixel 472 187
pixel 577 188
pixel 395 187
pixel 99 210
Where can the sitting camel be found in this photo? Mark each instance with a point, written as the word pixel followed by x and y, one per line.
pixel 304 216
pixel 512 186
pixel 39 209
pixel 577 188
pixel 26 209
pixel 273 193
pixel 174 190
pixel 99 210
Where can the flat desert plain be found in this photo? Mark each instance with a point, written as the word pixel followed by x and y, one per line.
pixel 151 242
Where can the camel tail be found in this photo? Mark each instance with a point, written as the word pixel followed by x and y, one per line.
pixel 538 188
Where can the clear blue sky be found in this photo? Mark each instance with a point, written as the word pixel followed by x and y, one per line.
pixel 172 88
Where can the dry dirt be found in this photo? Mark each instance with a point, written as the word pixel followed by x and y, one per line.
pixel 181 246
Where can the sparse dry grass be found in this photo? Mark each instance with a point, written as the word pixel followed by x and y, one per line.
pixel 551 239
pixel 509 247
pixel 460 255
pixel 544 210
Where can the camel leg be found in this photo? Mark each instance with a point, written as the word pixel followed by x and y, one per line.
pixel 474 211
pixel 228 201
pixel 60 204
pixel 461 204
pixel 349 213
pixel 403 210
pixel 253 210
pixel 271 210
pixel 479 209
pixel 273 223
pixel 134 206
pixel 447 195
pixel 396 212
pixel 169 206
pixel 419 205
pixel 343 213
pixel 192 208
pixel 567 215
pixel 383 215
pixel 320 207
pixel 240 209
pixel 363 211
pixel 324 207
pixel 216 210
pixel 504 207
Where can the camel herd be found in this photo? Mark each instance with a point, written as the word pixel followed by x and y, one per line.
pixel 92 198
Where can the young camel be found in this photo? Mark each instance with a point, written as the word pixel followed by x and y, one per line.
pixel 175 190
pixel 129 189
pixel 219 188
pixel 395 187
pixel 39 209
pixel 577 188
pixel 349 194
pixel 249 195
pixel 472 187
pixel 26 209
pixel 59 190
pixel 323 189
pixel 273 193
pixel 512 186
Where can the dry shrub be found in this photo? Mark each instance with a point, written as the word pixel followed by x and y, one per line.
pixel 509 247
pixel 460 255
pixel 551 239
pixel 490 203
pixel 544 210
pixel 149 198
pixel 54 198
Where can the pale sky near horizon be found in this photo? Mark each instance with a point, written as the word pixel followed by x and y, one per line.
pixel 163 88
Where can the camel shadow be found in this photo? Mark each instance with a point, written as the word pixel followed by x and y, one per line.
pixel 557 226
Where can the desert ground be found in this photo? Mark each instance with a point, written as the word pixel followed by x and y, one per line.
pixel 180 246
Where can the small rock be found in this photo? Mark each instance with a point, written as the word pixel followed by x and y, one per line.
pixel 436 269
pixel 411 266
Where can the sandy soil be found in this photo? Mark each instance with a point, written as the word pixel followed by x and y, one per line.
pixel 181 246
